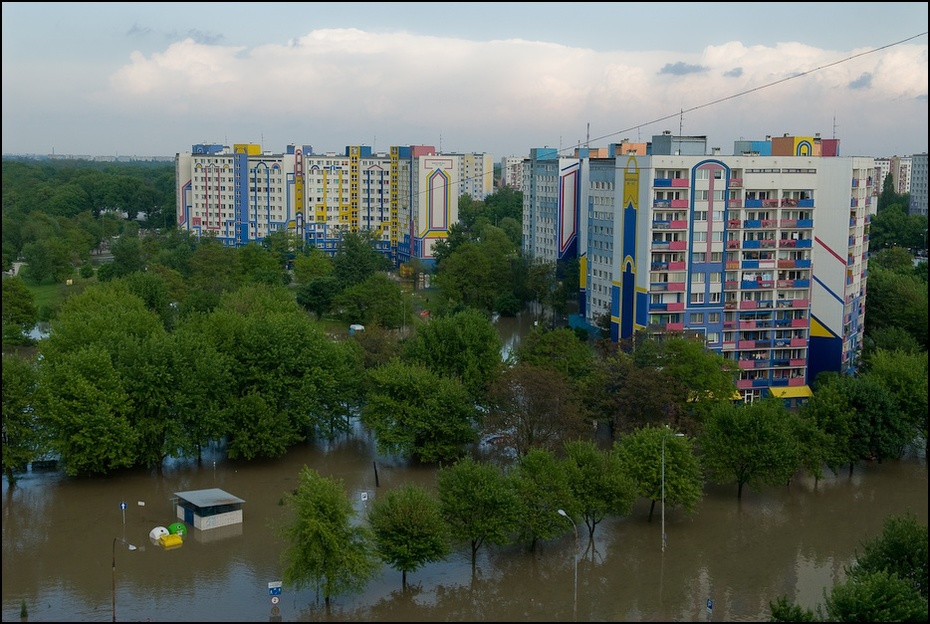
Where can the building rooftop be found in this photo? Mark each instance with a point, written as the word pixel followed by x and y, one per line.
pixel 211 497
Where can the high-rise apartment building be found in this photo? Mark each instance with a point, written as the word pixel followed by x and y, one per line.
pixel 763 253
pixel 407 197
pixel 918 200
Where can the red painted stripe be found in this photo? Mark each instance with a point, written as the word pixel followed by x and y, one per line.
pixel 825 246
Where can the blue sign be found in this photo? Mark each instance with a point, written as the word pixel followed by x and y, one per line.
pixel 122 506
pixel 274 591
pixel 710 605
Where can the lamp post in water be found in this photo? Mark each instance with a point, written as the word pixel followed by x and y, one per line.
pixel 677 435
pixel 130 547
pixel 575 560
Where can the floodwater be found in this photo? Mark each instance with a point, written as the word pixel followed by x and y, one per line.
pixel 58 548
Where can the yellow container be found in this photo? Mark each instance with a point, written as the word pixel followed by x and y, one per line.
pixel 172 540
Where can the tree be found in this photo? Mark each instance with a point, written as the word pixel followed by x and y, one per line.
pixel 88 412
pixel 408 528
pixel 641 454
pixel 905 376
pixel 534 408
pixel 357 259
pixel 22 438
pixel 876 597
pixel 478 503
pixel 376 300
pixel 541 483
pixel 315 263
pixel 750 444
pixel 901 549
pixel 418 413
pixel 599 484
pixel 298 383
pixel 19 310
pixel 464 345
pixel 559 350
pixel 317 294
pixel 708 378
pixel 324 548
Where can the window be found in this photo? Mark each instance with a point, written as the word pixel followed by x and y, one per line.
pixel 699 257
pixel 697 317
pixel 713 318
pixel 698 278
pixel 700 215
pixel 713 337
pixel 697 297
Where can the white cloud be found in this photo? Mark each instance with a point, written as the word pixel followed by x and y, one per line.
pixel 334 85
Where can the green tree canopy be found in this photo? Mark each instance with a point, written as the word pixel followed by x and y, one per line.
pixel 642 456
pixel 463 345
pixel 751 444
pixel 409 529
pixel 325 549
pixel 478 503
pixel 416 412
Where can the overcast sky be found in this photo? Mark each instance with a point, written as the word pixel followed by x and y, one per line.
pixel 151 79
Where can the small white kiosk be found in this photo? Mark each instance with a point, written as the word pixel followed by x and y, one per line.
pixel 209 509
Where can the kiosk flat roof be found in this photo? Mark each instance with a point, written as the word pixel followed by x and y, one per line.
pixel 211 497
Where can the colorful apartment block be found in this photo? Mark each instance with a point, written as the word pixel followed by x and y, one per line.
pixel 764 253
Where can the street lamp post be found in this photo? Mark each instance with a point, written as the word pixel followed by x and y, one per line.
pixel 131 547
pixel 575 560
pixel 677 435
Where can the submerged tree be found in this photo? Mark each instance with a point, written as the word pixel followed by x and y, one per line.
pixel 325 549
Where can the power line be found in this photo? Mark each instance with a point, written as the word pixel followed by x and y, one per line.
pixel 753 90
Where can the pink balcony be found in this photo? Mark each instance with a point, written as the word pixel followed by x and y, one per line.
pixel 800 303
pixel 748 305
pixel 801 322
pixel 678 224
pixel 796 381
pixel 785 264
pixel 680 183
pixel 746 344
pixel 746 364
pixel 734 203
pixel 736 183
pixel 675 307
pixel 799 342
pixel 788 223
pixel 676 287
pixel 799 362
pixel 744 384
pixel 675 327
pixel 676 266
pixel 678 245
pixel 733 223
pixel 747 324
pixel 733 244
pixel 679 203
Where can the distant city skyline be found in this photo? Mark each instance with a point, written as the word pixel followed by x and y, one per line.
pixel 152 79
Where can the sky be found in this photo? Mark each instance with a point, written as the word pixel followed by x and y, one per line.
pixel 153 79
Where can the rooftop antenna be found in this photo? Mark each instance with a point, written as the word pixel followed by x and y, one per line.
pixel 834 124
pixel 587 141
pixel 440 142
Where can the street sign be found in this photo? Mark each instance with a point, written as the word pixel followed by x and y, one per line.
pixel 274 589
pixel 275 599
pixel 123 506
pixel 710 605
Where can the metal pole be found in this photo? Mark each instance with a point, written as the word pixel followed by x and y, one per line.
pixel 131 547
pixel 114 578
pixel 575 560
pixel 663 492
